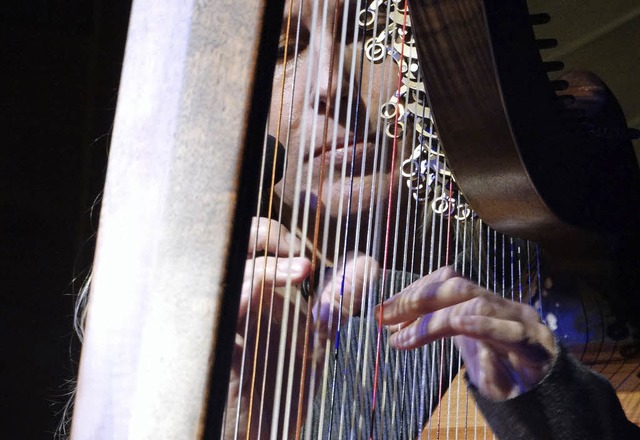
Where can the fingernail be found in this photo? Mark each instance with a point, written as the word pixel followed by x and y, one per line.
pixel 289 267
pixel 296 267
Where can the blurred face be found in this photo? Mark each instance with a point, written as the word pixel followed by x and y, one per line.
pixel 325 110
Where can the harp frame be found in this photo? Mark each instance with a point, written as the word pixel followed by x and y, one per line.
pixel 173 232
pixel 186 140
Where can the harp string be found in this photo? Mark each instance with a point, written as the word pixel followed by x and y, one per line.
pixel 336 114
pixel 442 231
pixel 283 339
pixel 269 212
pixel 263 282
pixel 351 186
pixel 252 263
pixel 327 111
pixel 369 239
pixel 357 235
pixel 407 250
pixel 285 313
pixel 287 299
pixel 331 169
pixel 347 226
pixel 386 239
pixel 307 201
pixel 444 341
pixel 409 261
pixel 262 291
pixel 305 221
pixel 417 391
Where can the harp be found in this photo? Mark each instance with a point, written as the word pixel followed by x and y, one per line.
pixel 176 215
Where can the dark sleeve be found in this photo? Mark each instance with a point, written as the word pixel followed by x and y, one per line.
pixel 570 403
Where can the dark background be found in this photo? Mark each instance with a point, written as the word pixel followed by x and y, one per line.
pixel 60 63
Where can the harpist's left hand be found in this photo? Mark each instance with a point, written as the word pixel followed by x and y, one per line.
pixel 505 347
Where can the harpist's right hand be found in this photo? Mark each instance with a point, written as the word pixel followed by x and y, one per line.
pixel 270 325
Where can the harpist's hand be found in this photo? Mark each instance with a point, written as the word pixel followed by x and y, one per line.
pixel 268 317
pixel 505 347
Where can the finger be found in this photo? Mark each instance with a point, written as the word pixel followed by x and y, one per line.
pixel 435 326
pixel 483 317
pixel 348 281
pixel 441 323
pixel 343 291
pixel 428 295
pixel 266 274
pixel 525 343
pixel 516 322
pixel 272 236
pixel 413 335
pixel 277 270
pixel 506 333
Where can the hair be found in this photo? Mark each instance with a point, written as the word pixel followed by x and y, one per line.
pixel 63 429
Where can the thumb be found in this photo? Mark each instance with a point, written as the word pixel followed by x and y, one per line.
pixel 345 287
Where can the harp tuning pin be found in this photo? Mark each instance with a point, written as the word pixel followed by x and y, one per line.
pixel 553 66
pixel 542 18
pixel 546 43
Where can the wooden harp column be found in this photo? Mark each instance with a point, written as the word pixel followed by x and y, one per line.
pixel 175 215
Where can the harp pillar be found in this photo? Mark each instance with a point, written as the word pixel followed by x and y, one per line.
pixel 175 215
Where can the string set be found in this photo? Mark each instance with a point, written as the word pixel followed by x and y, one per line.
pixel 364 173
